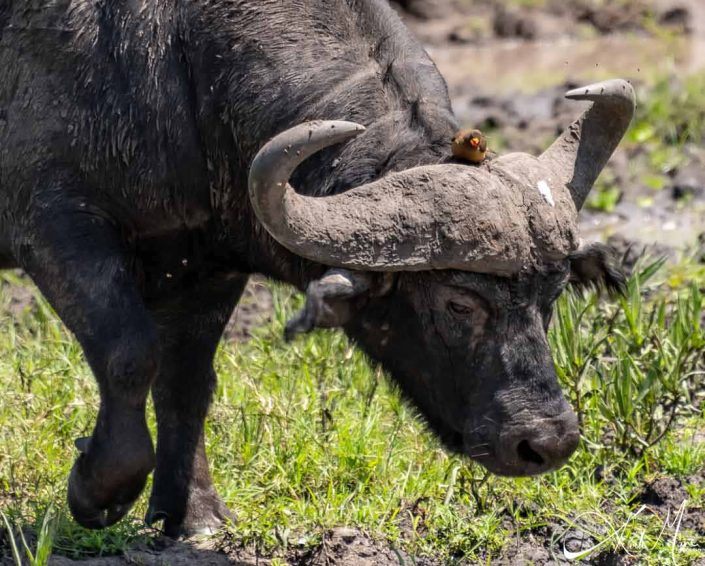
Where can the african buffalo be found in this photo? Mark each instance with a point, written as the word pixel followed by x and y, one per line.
pixel 127 134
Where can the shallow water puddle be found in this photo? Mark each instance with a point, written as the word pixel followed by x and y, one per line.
pixel 651 226
pixel 515 66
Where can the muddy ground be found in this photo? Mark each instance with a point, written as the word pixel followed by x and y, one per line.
pixel 350 547
pixel 507 70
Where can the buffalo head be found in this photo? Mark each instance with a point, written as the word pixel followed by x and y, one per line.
pixel 447 274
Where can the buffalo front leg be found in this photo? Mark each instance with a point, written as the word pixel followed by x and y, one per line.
pixel 76 259
pixel 183 496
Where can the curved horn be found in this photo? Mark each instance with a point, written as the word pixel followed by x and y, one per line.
pixel 270 193
pixel 353 230
pixel 580 154
pixel 444 216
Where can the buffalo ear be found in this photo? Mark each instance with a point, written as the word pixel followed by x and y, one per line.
pixel 331 301
pixel 597 266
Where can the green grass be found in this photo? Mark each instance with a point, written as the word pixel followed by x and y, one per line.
pixel 671 112
pixel 21 551
pixel 307 436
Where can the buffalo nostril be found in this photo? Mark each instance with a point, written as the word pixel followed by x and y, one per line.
pixel 528 454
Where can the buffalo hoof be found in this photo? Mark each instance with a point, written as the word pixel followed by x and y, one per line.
pixel 205 514
pixel 104 484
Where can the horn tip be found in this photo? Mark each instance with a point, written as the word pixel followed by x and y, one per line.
pixel 342 126
pixel 613 88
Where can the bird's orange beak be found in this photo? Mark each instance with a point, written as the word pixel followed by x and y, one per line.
pixel 475 142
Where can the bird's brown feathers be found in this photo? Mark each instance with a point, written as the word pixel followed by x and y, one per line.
pixel 469 145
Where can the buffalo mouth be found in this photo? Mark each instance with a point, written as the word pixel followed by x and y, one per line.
pixel 531 447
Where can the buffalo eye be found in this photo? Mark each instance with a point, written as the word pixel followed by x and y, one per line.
pixel 466 304
pixel 460 309
pixel 469 310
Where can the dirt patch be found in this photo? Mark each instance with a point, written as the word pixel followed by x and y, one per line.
pixel 17 299
pixel 546 546
pixel 477 22
pixel 667 498
pixel 344 547
pixel 21 299
pixel 254 310
pixel 523 553
pixel 350 547
pixel 340 547
pixel 164 552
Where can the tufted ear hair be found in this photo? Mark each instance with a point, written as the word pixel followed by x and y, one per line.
pixel 598 266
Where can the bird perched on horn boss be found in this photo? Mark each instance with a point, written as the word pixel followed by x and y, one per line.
pixel 469 145
pixel 143 178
